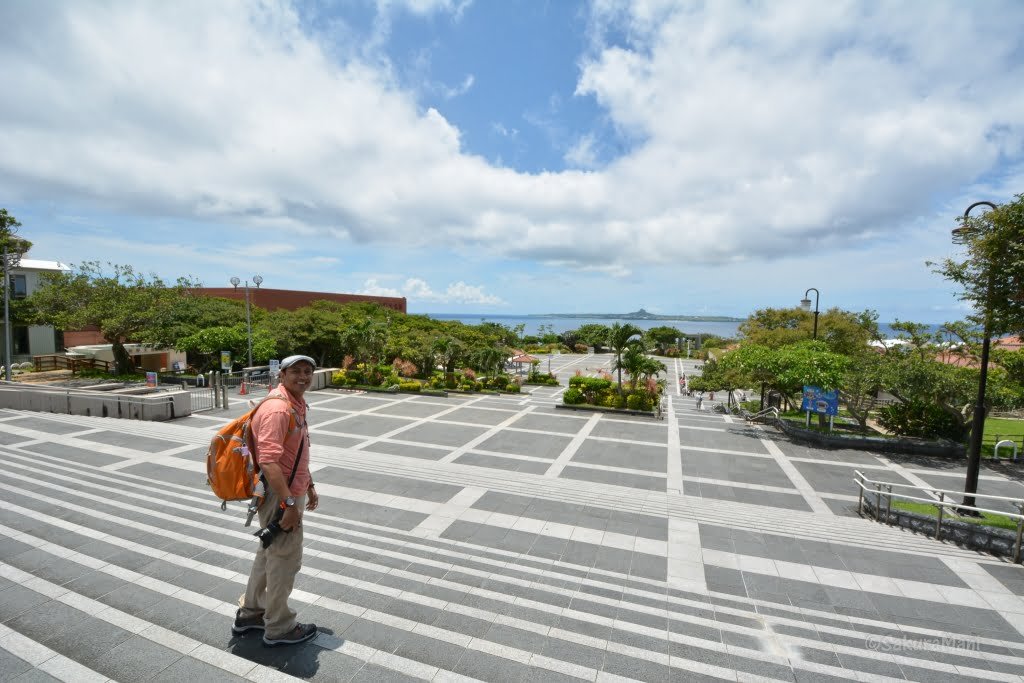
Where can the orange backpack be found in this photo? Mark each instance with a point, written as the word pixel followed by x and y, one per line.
pixel 232 471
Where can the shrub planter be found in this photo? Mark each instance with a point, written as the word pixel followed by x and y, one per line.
pixel 947 449
pixel 602 409
pixel 388 390
pixel 1000 542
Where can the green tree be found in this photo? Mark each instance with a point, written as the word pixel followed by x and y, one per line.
pixel 861 383
pixel 842 331
pixel 991 274
pixel 490 360
pixel 126 306
pixel 366 339
pixel 204 347
pixel 313 330
pixel 593 334
pixel 450 351
pixel 16 246
pixel 619 338
pixel 776 327
pixel 192 313
pixel 663 336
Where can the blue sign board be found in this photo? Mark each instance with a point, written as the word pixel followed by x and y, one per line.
pixel 818 401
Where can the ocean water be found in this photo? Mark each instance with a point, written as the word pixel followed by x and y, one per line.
pixel 689 327
pixel 559 325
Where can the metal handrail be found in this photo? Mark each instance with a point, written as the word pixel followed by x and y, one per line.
pixel 770 410
pixel 935 490
pixel 941 504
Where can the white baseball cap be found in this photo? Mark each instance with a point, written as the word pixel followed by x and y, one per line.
pixel 292 360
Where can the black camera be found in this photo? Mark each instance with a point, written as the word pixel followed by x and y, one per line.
pixel 268 533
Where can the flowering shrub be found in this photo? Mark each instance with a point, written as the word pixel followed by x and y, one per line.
pixel 404 368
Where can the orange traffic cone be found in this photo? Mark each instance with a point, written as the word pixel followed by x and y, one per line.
pixel 241 389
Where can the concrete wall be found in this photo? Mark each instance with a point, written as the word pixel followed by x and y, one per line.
pixel 155 407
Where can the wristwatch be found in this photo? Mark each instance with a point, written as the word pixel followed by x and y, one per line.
pixel 289 502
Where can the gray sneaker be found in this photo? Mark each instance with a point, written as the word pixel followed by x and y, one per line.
pixel 246 624
pixel 300 634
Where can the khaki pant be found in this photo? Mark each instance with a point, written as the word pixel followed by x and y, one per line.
pixel 273 574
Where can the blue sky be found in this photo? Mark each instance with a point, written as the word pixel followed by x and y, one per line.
pixel 518 157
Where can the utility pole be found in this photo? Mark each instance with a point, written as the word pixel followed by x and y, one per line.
pixel 7 317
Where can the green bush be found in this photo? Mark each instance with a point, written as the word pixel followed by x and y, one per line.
pixel 590 383
pixel 572 396
pixel 638 401
pixel 543 378
pixel 919 419
pixel 410 386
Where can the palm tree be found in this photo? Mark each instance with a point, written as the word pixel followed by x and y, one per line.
pixel 491 360
pixel 619 339
pixel 449 351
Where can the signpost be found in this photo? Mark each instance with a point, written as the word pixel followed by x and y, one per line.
pixel 817 400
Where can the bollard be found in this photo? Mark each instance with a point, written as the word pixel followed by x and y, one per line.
pixel 888 505
pixel 860 492
pixel 224 398
pixel 938 520
pixel 1020 535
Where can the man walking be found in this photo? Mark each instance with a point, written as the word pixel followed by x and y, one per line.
pixel 282 449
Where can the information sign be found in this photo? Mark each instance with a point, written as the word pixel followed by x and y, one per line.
pixel 816 400
pixel 225 361
pixel 151 379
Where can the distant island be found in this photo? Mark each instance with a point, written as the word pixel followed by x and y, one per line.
pixel 641 315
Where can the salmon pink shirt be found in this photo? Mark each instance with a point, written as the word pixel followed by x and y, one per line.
pixel 278 437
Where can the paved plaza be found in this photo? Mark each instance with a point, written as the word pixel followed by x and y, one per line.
pixel 493 538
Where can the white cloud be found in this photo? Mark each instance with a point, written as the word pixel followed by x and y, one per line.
pixel 751 129
pixel 372 288
pixel 417 290
pixel 583 154
pixel 503 131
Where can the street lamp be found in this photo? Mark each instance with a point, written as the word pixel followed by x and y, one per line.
pixel 10 260
pixel 805 303
pixel 7 318
pixel 257 280
pixel 961 235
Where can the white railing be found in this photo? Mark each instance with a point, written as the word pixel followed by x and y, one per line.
pixel 938 499
pixel 771 411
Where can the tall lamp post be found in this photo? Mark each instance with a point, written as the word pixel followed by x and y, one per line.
pixel 9 261
pixel 256 280
pixel 961 235
pixel 805 303
pixel 7 318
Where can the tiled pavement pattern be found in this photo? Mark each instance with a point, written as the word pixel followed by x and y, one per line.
pixel 491 538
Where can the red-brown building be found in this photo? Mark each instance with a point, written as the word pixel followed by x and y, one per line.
pixel 268 299
pixel 289 299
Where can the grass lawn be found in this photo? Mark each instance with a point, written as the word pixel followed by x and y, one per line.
pixel 999 428
pixel 986 519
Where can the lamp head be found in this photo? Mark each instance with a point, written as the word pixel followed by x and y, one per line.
pixel 805 304
pixel 257 280
pixel 235 282
pixel 963 233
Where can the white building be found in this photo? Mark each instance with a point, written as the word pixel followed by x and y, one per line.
pixel 30 340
